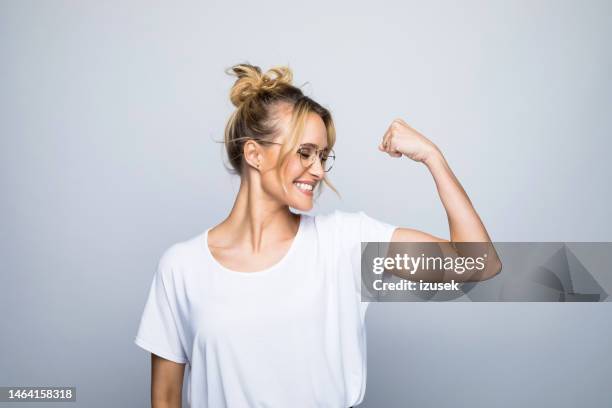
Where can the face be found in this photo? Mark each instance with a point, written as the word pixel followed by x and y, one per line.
pixel 299 181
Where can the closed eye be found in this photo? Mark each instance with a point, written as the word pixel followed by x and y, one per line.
pixel 304 154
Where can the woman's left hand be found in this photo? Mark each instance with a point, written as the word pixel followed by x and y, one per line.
pixel 400 139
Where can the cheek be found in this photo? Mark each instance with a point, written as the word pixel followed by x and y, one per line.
pixel 271 182
pixel 293 170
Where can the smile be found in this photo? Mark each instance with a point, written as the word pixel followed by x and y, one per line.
pixel 303 187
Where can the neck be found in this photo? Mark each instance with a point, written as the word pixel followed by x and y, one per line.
pixel 257 220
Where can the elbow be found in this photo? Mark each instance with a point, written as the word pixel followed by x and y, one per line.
pixel 165 402
pixel 166 398
pixel 494 267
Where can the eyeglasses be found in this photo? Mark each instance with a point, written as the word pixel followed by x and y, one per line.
pixel 308 153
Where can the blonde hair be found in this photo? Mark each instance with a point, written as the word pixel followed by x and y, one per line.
pixel 257 98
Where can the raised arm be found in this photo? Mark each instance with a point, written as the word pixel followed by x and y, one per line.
pixel 464 223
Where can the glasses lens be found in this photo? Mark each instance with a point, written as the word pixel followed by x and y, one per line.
pixel 327 160
pixel 308 155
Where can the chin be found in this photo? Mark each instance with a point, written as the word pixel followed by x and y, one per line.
pixel 299 200
pixel 301 205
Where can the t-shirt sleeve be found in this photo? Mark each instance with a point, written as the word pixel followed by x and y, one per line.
pixel 158 331
pixel 373 230
pixel 358 227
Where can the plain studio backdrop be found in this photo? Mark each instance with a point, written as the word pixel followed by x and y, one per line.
pixel 109 112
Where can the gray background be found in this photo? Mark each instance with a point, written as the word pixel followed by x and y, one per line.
pixel 108 112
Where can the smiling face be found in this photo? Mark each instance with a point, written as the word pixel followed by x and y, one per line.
pixel 299 182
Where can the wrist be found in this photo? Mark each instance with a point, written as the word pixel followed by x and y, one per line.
pixel 434 156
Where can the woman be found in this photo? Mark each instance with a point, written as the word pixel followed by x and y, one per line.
pixel 265 306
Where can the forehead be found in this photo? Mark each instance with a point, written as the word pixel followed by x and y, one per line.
pixel 314 131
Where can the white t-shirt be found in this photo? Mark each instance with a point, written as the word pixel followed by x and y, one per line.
pixel 292 335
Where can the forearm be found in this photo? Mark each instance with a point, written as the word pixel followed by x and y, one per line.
pixel 463 221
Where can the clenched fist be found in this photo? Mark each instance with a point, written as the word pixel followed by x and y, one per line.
pixel 402 140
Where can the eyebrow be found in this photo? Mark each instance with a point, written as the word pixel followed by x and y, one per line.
pixel 313 145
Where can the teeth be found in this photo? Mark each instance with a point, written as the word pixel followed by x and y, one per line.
pixel 303 186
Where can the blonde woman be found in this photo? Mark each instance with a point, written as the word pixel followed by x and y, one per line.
pixel 264 308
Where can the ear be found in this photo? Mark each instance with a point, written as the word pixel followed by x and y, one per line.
pixel 252 154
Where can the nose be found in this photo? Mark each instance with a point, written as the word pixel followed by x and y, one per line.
pixel 316 168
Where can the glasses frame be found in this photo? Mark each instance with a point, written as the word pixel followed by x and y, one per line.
pixel 318 152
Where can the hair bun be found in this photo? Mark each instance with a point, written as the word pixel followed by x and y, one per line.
pixel 251 81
